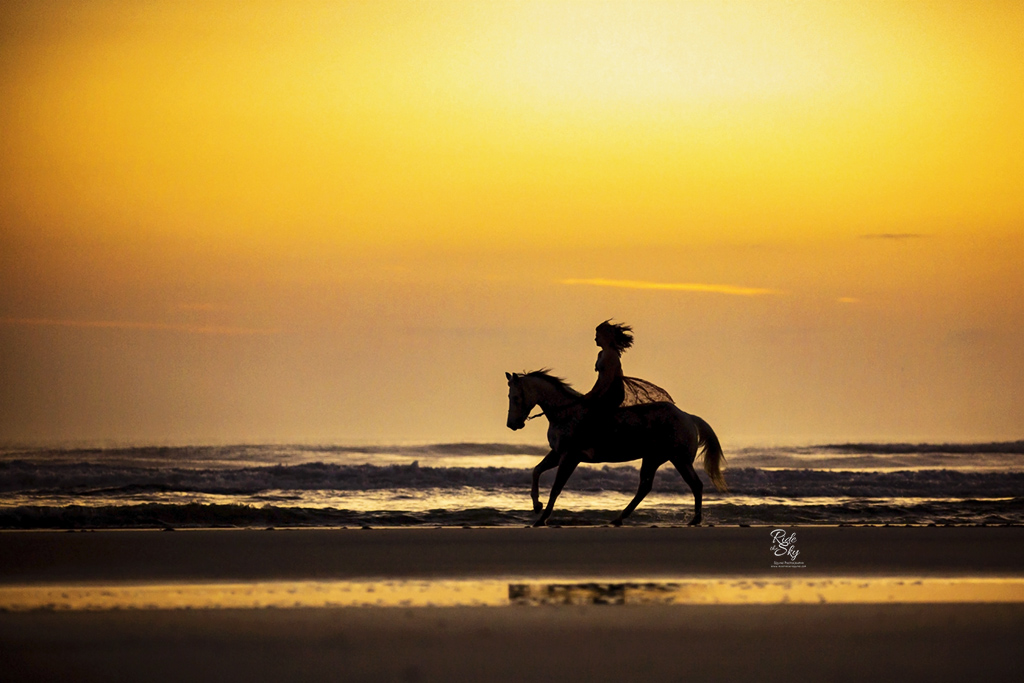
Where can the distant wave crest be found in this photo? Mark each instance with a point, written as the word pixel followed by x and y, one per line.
pixel 900 448
pixel 262 452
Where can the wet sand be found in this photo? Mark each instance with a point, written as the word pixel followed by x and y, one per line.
pixel 591 642
pixel 594 643
pixel 321 554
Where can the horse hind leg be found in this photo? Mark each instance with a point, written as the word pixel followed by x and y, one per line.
pixel 647 470
pixel 689 475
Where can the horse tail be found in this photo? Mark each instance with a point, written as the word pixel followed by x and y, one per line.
pixel 713 456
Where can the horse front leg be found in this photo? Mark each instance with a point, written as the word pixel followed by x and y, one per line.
pixel 550 461
pixel 566 466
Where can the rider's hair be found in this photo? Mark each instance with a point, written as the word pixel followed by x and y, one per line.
pixel 622 337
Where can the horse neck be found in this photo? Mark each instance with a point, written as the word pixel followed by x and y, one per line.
pixel 549 397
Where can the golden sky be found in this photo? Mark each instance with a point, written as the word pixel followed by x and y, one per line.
pixel 345 221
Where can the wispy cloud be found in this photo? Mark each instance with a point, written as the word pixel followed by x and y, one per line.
pixel 675 286
pixel 895 236
pixel 204 307
pixel 133 325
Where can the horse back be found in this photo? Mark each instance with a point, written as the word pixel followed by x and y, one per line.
pixel 649 414
pixel 647 430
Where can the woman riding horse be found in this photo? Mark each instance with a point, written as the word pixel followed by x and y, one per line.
pixel 620 419
pixel 654 432
pixel 609 390
pixel 612 389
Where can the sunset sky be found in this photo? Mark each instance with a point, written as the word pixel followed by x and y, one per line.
pixel 343 222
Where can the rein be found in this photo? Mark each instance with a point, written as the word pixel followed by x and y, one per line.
pixel 553 414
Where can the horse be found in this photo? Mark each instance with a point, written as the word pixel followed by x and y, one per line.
pixel 656 432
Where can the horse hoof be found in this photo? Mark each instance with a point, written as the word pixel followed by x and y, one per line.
pixel 540 522
pixel 617 521
pixel 537 507
pixel 694 522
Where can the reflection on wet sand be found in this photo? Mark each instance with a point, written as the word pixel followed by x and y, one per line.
pixel 493 593
pixel 755 591
pixel 279 594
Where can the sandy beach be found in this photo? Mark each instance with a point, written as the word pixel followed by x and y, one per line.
pixel 304 554
pixel 732 643
pixel 582 642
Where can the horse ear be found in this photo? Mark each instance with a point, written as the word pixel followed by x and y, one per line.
pixel 508 377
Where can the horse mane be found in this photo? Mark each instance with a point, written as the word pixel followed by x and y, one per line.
pixel 557 382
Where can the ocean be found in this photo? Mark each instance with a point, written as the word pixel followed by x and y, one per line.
pixel 487 484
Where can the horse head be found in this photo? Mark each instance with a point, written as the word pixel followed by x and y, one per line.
pixel 520 401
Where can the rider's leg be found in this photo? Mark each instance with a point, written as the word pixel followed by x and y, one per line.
pixel 592 430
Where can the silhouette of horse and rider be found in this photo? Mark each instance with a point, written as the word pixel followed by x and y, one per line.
pixel 620 419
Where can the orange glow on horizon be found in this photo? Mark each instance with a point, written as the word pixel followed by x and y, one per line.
pixel 345 206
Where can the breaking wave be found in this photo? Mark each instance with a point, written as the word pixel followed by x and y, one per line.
pixel 488 484
pixel 153 515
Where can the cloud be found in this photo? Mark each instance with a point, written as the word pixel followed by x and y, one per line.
pixel 894 236
pixel 204 307
pixel 674 286
pixel 132 325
